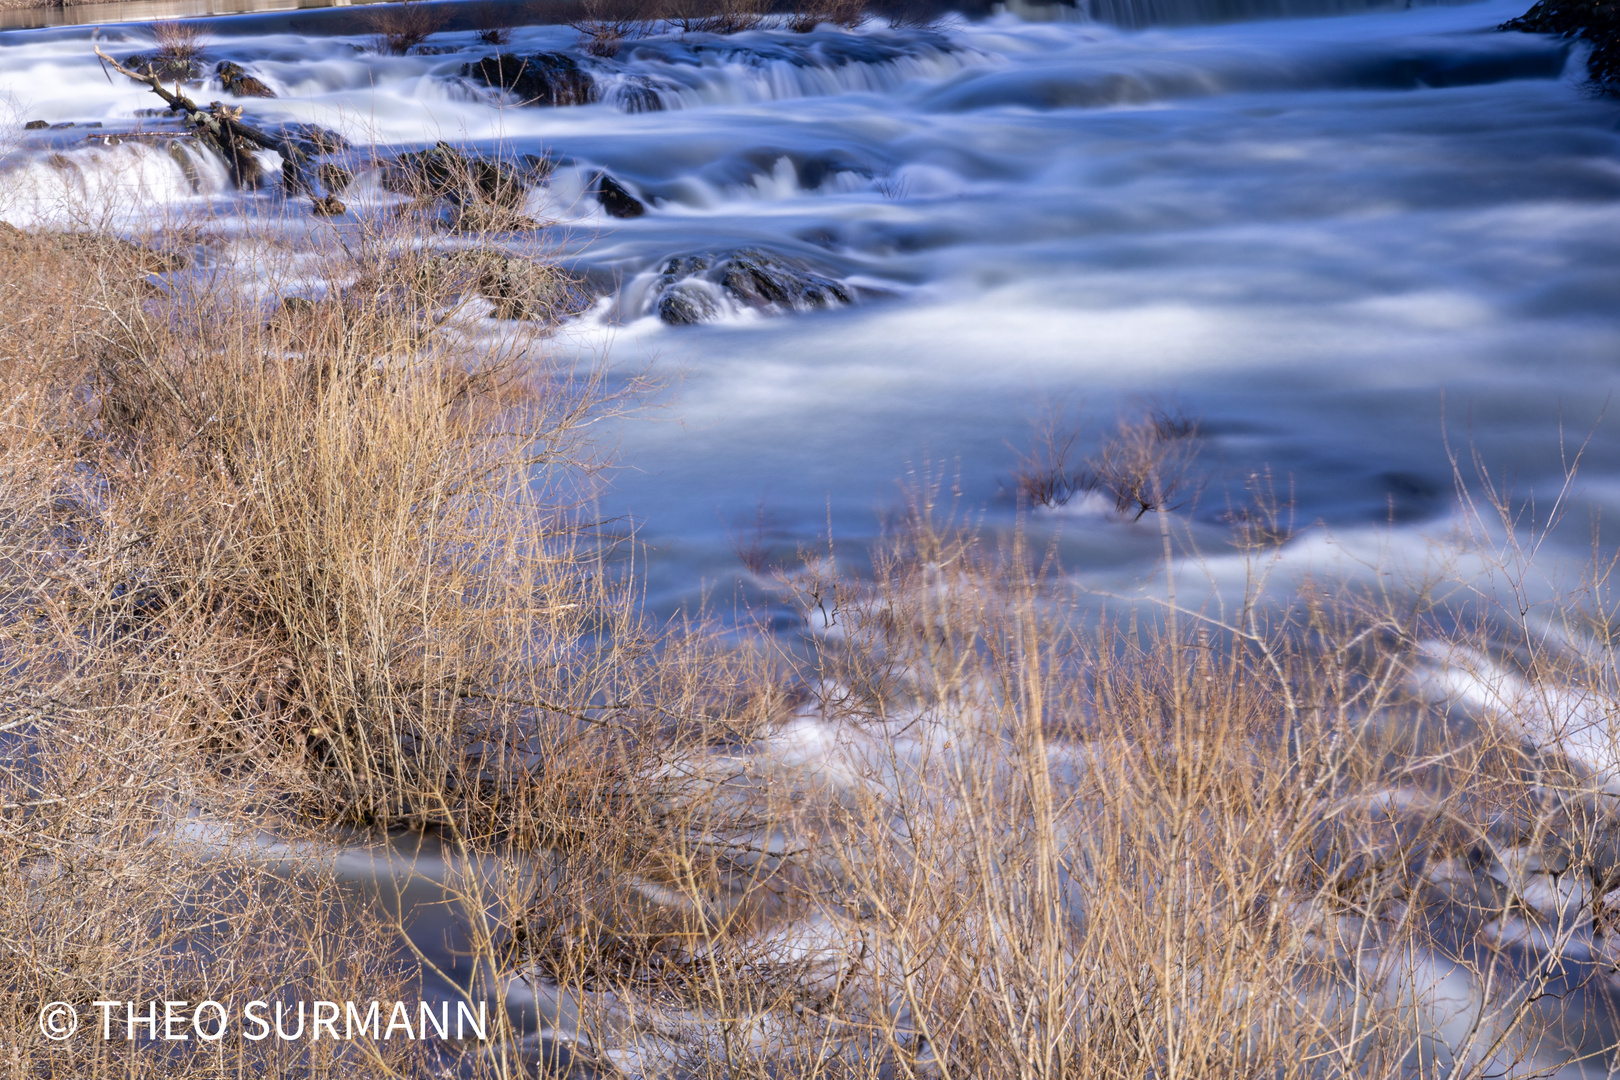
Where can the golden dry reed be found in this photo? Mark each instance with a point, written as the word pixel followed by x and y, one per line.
pixel 295 541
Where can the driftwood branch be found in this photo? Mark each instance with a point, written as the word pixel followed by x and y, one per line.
pixel 221 127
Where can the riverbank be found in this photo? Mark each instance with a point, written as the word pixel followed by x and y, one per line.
pixel 372 636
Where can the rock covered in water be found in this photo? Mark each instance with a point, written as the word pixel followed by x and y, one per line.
pixel 541 79
pixel 616 200
pixel 1597 21
pixel 235 79
pixel 698 288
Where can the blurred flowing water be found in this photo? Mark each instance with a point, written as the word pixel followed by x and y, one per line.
pixel 1337 240
pixel 1319 236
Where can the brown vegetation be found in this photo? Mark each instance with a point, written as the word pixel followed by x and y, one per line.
pixel 178 44
pixel 290 541
pixel 1142 466
pixel 400 27
pixel 846 13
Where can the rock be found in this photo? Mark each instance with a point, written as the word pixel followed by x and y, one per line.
pixel 442 171
pixel 518 287
pixel 483 194
pixel 541 79
pixel 1597 21
pixel 238 82
pixel 697 288
pixel 36 125
pixel 687 303
pixel 333 177
pixel 327 206
pixel 615 200
pixel 168 68
pixel 313 139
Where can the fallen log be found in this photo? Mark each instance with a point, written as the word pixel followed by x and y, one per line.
pixel 221 128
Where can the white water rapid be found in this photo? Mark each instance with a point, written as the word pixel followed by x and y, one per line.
pixel 1317 236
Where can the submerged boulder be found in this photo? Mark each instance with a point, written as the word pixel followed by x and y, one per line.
pixel 1596 21
pixel 698 288
pixel 541 79
pixel 235 79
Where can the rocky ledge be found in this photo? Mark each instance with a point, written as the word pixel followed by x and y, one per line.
pixel 1596 21
pixel 700 288
pixel 541 79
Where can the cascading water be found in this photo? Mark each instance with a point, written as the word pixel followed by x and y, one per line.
pixel 880 254
pixel 1298 229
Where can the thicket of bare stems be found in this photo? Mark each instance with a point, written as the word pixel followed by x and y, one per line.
pixel 605 25
pixel 400 27
pixel 178 43
pixel 293 540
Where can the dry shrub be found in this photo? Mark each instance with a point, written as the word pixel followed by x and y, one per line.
pixel 1029 844
pixel 722 16
pixel 399 28
pixel 846 13
pixel 494 22
pixel 912 14
pixel 604 25
pixel 1142 466
pixel 1049 473
pixel 178 44
pixel 128 869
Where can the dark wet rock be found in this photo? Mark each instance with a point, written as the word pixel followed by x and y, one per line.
pixel 541 79
pixel 237 81
pixel 314 139
pixel 327 206
pixel 167 68
pixel 632 95
pixel 333 177
pixel 442 171
pixel 686 303
pixel 697 288
pixel 482 194
pixel 36 125
pixel 615 199
pixel 1596 21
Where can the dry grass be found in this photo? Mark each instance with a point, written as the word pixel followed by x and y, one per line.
pixel 178 44
pixel 400 27
pixel 846 13
pixel 1142 466
pixel 604 25
pixel 722 17
pixel 292 540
